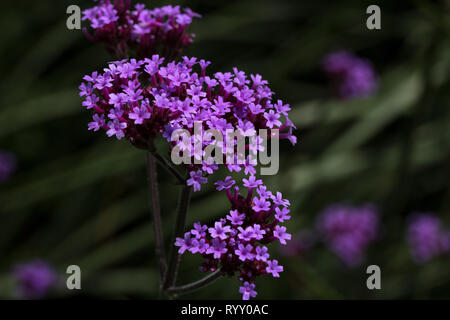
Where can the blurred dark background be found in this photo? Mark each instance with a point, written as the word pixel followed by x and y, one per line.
pixel 78 197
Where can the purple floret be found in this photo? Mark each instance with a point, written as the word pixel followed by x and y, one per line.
pixel 196 179
pixel 247 291
pixel 274 268
pixel 245 252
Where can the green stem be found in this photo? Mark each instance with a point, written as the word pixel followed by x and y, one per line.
pixel 166 164
pixel 183 205
pixel 188 288
pixel 156 213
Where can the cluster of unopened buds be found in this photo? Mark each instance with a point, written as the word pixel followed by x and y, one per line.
pixel 154 95
pixel 146 32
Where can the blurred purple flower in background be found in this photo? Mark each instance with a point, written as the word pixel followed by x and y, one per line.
pixel 445 242
pixel 7 165
pixel 34 279
pixel 300 244
pixel 426 238
pixel 348 231
pixel 351 76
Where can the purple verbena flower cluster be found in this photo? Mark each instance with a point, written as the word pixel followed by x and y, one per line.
pixel 139 99
pixel 348 231
pixel 7 165
pixel 34 279
pixel 426 237
pixel 120 28
pixel 351 76
pixel 238 243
